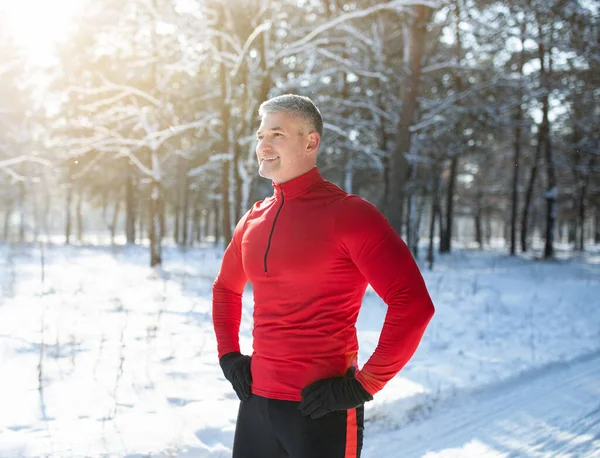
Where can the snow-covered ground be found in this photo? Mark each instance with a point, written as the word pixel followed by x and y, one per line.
pixel 126 358
pixel 550 412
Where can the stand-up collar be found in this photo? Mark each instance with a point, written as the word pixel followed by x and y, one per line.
pixel 298 185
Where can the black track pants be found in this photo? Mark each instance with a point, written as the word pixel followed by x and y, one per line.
pixel 268 428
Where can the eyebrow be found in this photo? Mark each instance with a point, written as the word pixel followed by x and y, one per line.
pixel 272 129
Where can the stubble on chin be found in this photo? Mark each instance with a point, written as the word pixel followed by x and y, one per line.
pixel 263 173
pixel 269 172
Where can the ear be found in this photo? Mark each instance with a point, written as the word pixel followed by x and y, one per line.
pixel 314 140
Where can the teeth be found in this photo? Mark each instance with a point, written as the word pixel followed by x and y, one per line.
pixel 270 158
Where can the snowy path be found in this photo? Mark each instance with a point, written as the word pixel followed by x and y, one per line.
pixel 554 412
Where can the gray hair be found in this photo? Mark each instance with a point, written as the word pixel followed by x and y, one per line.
pixel 296 105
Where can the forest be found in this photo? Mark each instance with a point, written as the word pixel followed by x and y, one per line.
pixel 471 121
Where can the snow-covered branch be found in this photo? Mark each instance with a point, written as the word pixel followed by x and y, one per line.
pixel 450 102
pixel 396 5
pixel 351 66
pixel 18 160
pixel 449 65
pixel 111 87
pixel 163 135
pixel 356 33
pixel 255 33
pixel 14 175
pixel 335 129
pixel 110 141
pixel 126 152
pixel 211 162
pixel 93 106
pixel 221 56
pixel 234 45
pixel 392 117
pixel 89 166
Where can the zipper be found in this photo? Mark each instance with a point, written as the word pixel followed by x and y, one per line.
pixel 272 229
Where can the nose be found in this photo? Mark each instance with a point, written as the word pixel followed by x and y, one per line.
pixel 263 146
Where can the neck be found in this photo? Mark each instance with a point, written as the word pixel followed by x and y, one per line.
pixel 298 185
pixel 303 172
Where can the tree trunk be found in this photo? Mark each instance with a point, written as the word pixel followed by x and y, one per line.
pixel 237 150
pixel 177 228
pixel 398 161
pixel 561 230
pixel 441 220
pixel 478 220
pixel 434 212
pixel 597 224
pixel 225 145
pixel 47 210
pixel 237 183
pixel 383 146
pixel 515 186
pixel 203 225
pixel 534 218
pixel 143 217
pixel 22 194
pixel 162 210
pixel 263 45
pixel 551 196
pixel 178 199
pixel 36 216
pixel 155 222
pixel 7 217
pixel 386 178
pixel 517 148
pixel 68 215
pixel 488 226
pixel 129 210
pixel 551 191
pixel 216 221
pixel 416 225
pixel 114 220
pixel 185 210
pixel 410 202
pixel 581 217
pixel 348 172
pixel 79 216
pixel 446 242
pixel 156 211
pixel 572 232
pixel 226 208
pixel 582 172
pixel 529 193
pixel 195 224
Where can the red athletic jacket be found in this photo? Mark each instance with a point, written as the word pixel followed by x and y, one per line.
pixel 310 251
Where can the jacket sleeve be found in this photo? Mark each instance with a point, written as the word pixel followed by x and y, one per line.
pixel 227 294
pixel 387 264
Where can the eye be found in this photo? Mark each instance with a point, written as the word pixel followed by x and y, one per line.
pixel 276 134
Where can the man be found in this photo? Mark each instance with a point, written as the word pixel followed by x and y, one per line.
pixel 309 252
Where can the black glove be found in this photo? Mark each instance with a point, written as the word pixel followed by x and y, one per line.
pixel 335 393
pixel 236 368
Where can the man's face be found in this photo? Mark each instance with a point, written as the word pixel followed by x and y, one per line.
pixel 285 149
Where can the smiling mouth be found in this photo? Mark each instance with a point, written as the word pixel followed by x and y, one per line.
pixel 268 159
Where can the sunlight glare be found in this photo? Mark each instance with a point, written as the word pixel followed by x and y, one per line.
pixel 37 24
